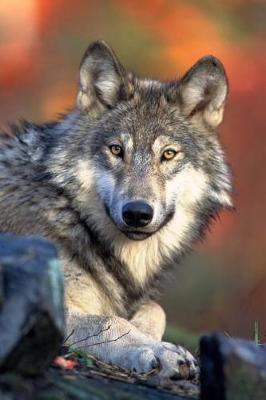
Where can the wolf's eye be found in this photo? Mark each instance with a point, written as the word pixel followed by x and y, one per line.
pixel 168 154
pixel 116 150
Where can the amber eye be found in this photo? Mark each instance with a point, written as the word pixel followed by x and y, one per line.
pixel 116 150
pixel 168 154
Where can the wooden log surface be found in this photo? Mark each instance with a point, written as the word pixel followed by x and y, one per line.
pixel 63 385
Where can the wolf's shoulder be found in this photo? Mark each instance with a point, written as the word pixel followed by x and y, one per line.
pixel 25 142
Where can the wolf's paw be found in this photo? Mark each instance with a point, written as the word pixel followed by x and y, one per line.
pixel 174 362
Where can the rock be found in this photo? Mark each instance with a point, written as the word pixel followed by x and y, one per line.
pixel 1 287
pixel 232 369
pixel 32 314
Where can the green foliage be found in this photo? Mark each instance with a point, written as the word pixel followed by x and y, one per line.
pixel 182 337
pixel 256 333
pixel 84 359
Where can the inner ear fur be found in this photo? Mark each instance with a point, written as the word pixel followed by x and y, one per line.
pixel 203 90
pixel 102 79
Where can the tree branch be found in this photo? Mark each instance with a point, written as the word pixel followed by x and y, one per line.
pixel 107 341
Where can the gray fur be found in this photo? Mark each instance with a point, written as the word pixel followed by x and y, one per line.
pixel 60 180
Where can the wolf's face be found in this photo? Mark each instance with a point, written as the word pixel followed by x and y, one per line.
pixel 151 164
pixel 154 158
pixel 138 162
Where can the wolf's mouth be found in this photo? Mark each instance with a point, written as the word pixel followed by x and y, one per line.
pixel 136 235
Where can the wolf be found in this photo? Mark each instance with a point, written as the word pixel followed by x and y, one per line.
pixel 123 184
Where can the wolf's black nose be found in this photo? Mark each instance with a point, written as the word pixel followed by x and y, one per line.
pixel 137 214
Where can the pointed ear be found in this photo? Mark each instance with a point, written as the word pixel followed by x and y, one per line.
pixel 102 79
pixel 203 90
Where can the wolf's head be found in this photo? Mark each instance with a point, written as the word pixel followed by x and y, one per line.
pixel 145 155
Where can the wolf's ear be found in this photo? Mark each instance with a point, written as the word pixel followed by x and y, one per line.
pixel 102 79
pixel 202 92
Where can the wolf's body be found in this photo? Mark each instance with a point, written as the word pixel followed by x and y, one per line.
pixel 123 184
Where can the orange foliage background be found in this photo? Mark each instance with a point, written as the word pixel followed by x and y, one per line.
pixel 41 42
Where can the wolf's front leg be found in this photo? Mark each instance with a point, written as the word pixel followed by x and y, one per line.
pixel 116 341
pixel 150 319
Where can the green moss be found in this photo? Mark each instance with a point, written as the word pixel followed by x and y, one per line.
pixel 51 395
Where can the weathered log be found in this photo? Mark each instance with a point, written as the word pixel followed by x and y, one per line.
pixel 232 369
pixel 32 315
pixel 67 385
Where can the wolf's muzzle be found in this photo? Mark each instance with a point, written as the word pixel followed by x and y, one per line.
pixel 137 214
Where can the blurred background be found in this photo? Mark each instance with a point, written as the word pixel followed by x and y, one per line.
pixel 222 286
